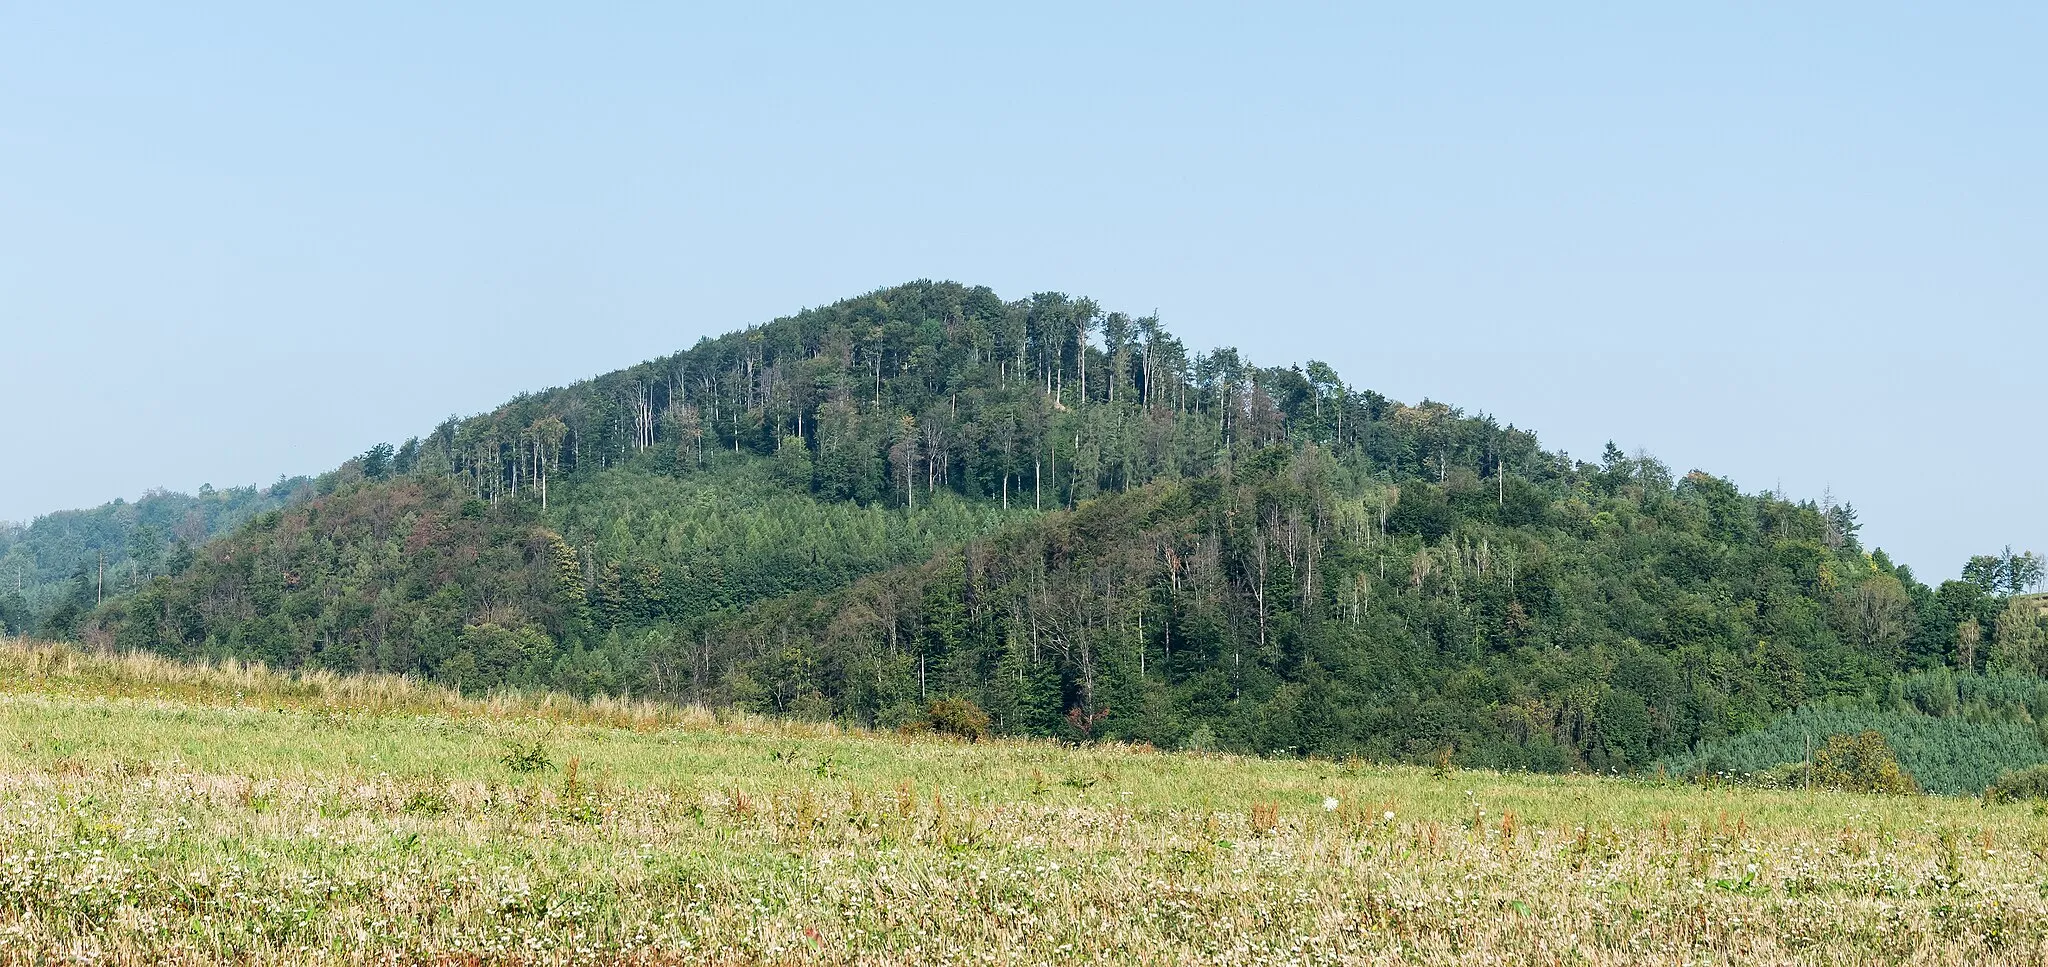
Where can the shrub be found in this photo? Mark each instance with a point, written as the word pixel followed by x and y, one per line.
pixel 1851 763
pixel 527 758
pixel 2019 785
pixel 959 717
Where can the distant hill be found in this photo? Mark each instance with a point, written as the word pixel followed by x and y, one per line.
pixel 1065 516
pixel 56 568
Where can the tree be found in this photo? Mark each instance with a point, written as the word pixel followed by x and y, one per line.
pixel 377 462
pixel 2006 573
pixel 903 459
pixel 1863 762
pixel 1841 524
pixel 1969 634
pixel 1422 509
pixel 793 463
pixel 571 599
pixel 2016 639
pixel 491 654
pixel 2023 572
pixel 1988 572
pixel 1623 719
pixel 1879 614
pixel 546 434
pixel 145 545
pixel 608 595
pixel 14 616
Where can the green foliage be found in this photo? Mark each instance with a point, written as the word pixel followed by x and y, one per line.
pixel 527 757
pixel 2020 785
pixel 2017 642
pixel 1859 763
pixel 2006 573
pixel 731 536
pixel 133 541
pixel 1086 530
pixel 14 614
pixel 377 463
pixel 958 717
pixel 1951 756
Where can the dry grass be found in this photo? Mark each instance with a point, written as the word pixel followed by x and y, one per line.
pixel 151 812
pixel 47 668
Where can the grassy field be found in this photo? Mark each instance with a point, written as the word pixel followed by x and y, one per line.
pixel 151 812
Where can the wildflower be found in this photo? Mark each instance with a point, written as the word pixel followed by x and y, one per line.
pixel 1329 804
pixel 1389 816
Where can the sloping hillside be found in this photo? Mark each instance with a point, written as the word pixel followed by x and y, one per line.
pixel 1065 516
pixel 55 569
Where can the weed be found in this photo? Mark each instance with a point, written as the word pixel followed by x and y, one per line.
pixel 1265 816
pixel 530 757
pixel 426 802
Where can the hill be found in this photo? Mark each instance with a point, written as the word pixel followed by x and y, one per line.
pixel 1066 517
pixel 164 812
pixel 57 568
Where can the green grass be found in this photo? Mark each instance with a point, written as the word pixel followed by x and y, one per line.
pixel 154 812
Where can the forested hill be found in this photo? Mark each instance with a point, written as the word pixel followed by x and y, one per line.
pixel 57 568
pixel 1065 516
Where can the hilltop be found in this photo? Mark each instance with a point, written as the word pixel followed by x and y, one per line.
pixel 1065 517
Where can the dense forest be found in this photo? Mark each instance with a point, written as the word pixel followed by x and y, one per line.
pixel 1066 517
pixel 57 568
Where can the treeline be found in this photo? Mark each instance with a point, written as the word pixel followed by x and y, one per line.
pixel 57 568
pixel 1062 515
pixel 895 396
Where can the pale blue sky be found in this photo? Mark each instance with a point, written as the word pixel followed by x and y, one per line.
pixel 1792 246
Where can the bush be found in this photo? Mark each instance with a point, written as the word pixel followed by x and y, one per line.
pixel 1850 763
pixel 527 758
pixel 959 717
pixel 2019 785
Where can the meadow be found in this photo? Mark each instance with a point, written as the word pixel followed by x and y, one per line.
pixel 157 812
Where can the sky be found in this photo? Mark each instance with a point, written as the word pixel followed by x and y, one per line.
pixel 1799 245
